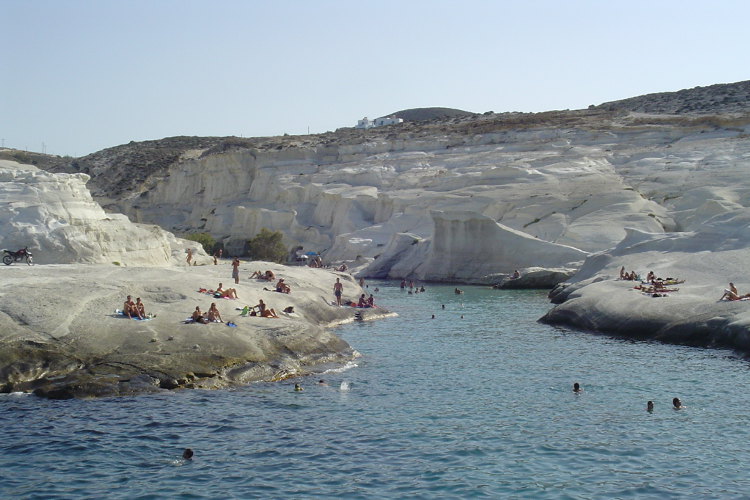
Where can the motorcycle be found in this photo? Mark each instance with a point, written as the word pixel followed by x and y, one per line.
pixel 11 257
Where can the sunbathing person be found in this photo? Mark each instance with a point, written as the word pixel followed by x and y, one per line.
pixel 731 293
pixel 213 314
pixel 198 316
pixel 128 307
pixel 266 312
pixel 269 276
pixel 283 287
pixel 140 309
pixel 623 274
pixel 371 301
pixel 220 292
pixel 257 274
pixel 362 301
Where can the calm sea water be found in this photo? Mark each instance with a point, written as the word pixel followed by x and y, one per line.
pixel 436 408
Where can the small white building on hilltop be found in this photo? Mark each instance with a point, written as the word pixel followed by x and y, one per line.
pixel 378 122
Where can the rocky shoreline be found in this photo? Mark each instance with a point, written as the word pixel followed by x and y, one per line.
pixel 60 337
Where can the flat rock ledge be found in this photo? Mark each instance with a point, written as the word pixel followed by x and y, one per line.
pixel 693 316
pixel 60 337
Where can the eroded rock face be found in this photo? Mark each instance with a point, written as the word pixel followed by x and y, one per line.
pixel 579 186
pixel 56 217
pixel 467 247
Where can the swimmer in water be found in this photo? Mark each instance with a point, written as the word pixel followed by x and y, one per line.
pixel 677 404
pixel 298 387
pixel 322 382
pixel 187 454
pixel 433 316
pixel 650 406
pixel 577 387
pixel 443 306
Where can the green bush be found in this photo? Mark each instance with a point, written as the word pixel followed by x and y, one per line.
pixel 267 245
pixel 206 240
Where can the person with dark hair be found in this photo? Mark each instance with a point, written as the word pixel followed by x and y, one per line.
pixel 197 316
pixel 236 270
pixel 338 289
pixel 577 387
pixel 187 454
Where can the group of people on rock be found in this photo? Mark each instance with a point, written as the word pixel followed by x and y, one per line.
pixel 365 301
pixel 652 285
pixel 134 309
pixel 630 276
pixel 656 286
pixel 211 316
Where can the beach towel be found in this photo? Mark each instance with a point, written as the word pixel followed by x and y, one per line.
pixel 120 314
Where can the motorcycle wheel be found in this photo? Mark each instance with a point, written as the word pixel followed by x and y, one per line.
pixel 29 260
pixel 7 260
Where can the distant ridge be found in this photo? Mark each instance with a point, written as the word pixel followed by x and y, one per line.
pixel 713 99
pixel 428 114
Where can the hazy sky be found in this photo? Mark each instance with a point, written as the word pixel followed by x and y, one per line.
pixel 79 76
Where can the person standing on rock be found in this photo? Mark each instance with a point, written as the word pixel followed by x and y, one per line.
pixel 338 289
pixel 236 270
pixel 189 255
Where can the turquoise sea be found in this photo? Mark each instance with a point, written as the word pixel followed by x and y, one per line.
pixel 450 407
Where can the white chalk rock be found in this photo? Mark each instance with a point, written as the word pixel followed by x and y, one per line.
pixel 467 246
pixel 55 216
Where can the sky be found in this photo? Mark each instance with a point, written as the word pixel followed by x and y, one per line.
pixel 78 76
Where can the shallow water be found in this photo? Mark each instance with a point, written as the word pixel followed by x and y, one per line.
pixel 436 408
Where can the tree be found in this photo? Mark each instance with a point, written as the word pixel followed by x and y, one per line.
pixel 206 240
pixel 267 245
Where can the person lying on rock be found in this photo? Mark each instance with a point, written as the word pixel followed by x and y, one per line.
pixel 266 312
pixel 257 274
pixel 220 292
pixel 269 276
pixel 213 314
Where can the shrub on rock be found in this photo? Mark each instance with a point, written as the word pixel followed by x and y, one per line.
pixel 267 245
